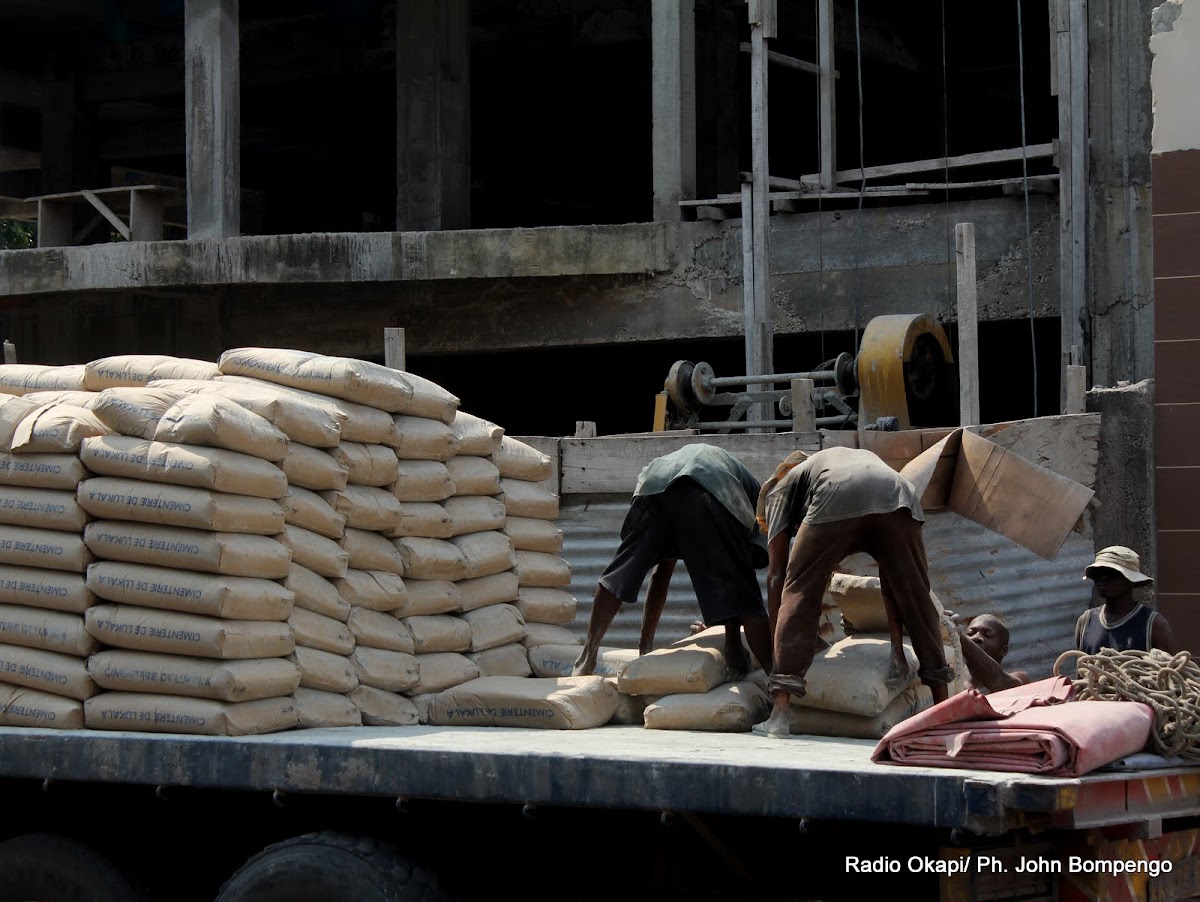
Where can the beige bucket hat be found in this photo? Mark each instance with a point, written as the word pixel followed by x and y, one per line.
pixel 1124 560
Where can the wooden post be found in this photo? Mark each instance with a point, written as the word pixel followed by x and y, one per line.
pixel 968 325
pixel 804 414
pixel 1076 383
pixel 762 29
pixel 10 352
pixel 828 106
pixel 146 216
pixel 748 275
pixel 660 412
pixel 393 348
pixel 673 104
pixel 585 429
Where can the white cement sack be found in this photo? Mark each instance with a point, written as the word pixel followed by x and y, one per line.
pixel 692 665
pixel 424 519
pixel 476 436
pixel 485 553
pixel 318 631
pixel 23 378
pixel 360 422
pixel 422 480
pixel 187 549
pixel 478 514
pixel 324 671
pixel 321 555
pixel 169 632
pixel 13 412
pixel 487 590
pixel 366 507
pixel 851 676
pixel 310 511
pixel 51 590
pixel 517 460
pixel 113 498
pixel 192 466
pixel 568 703
pixel 430 596
pixel 528 534
pixel 631 710
pixel 197 716
pixel 815 722
pixel 43 549
pixel 384 709
pixel 41 509
pixel 371 551
pixel 441 670
pixel 536 568
pixel 375 590
pixel 375 465
pixel 542 605
pixel 528 499
pixel 504 660
pixel 423 703
pixel 22 707
pixel 860 601
pixel 420 438
pixel 557 660
pixel 431 558
pixel 374 629
pixel 548 634
pixel 84 399
pixel 729 708
pixel 315 593
pixel 300 419
pixel 495 625
pixel 134 411
pixel 47 630
pixel 394 671
pixel 55 428
pixel 431 400
pixel 139 369
pixel 315 709
pixel 46 671
pixel 228 681
pixel 313 469
pixel 438 632
pixel 218 423
pixel 41 471
pixel 473 476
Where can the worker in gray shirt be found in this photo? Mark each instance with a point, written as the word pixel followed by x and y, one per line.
pixel 697 504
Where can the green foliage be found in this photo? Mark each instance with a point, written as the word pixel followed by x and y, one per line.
pixel 16 235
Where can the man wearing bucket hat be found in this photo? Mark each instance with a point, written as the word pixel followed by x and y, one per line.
pixel 1120 623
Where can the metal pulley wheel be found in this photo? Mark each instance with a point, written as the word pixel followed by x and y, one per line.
pixel 702 383
pixel 678 386
pixel 845 374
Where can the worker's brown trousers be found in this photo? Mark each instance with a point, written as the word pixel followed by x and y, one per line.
pixel 894 541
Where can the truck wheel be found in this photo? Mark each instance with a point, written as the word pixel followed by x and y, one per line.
pixel 50 868
pixel 329 867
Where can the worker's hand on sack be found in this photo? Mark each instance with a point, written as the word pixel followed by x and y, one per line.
pixel 697 626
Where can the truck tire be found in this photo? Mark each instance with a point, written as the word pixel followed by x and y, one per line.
pixel 50 868
pixel 330 867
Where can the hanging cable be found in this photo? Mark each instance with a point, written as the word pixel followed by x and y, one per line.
pixel 1025 192
pixel 946 166
pixel 862 185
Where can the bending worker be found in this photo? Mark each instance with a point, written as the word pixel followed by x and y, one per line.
pixel 837 502
pixel 697 504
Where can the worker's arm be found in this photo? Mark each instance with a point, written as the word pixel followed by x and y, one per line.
pixel 656 600
pixel 777 555
pixel 1161 635
pixel 985 671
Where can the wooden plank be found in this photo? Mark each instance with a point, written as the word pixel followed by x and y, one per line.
pixel 146 216
pixel 660 412
pixel 748 274
pixel 1008 155
pixel 788 62
pixel 393 348
pixel 118 193
pixel 1076 389
pixel 968 324
pixel 762 14
pixel 10 352
pixel 1042 181
pixel 804 412
pixel 585 429
pixel 781 198
pixel 828 130
pixel 711 212
pixel 1072 313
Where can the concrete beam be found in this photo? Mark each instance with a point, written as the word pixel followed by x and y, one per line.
pixel 673 104
pixel 212 100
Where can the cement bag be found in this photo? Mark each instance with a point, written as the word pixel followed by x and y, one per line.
pixel 476 436
pixel 315 709
pixel 321 632
pixel 134 411
pixel 484 553
pixel 473 476
pixel 558 660
pixel 315 593
pixel 425 519
pixel 84 399
pixel 438 632
pixel 536 568
pixel 365 507
pixel 528 534
pixel 431 558
pixel 860 600
pixel 730 708
pixel 46 671
pixel 384 709
pixel 21 707
pixel 391 670
pixel 310 511
pixel 430 596
pixel 541 605
pixel 41 471
pixel 55 428
pixel 692 665
pixel 228 597
pixel 487 590
pixel 111 498
pixel 196 716
pixel 23 378
pixel 314 469
pixel 47 630
pixel 375 590
pixel 548 634
pixel 528 499
pixel 517 460
pixel 324 671
pixel 187 549
pixel 419 438
pixel 815 722
pixel 13 412
pixel 169 632
pixel 360 423
pixel 477 514
pixel 568 703
pixel 422 480
pixel 441 670
pixel 228 681
pixel 423 703
pixel 371 551
pixel 319 554
pixel 431 400
pixel 48 589
pixel 192 466
pixel 217 423
pixel 493 626
pixel 851 676
pixel 631 710
pixel 139 369
pixel 41 509
pixel 301 420
pixel 43 549
pixel 375 465
pixel 504 660
pixel 376 630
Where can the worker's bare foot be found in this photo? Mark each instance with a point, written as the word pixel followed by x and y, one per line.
pixel 775 725
pixel 585 664
pixel 737 662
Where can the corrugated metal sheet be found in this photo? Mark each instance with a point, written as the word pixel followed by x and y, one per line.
pixel 972 569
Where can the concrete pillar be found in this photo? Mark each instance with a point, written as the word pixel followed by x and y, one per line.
pixel 212 98
pixel 717 98
pixel 58 137
pixel 673 104
pixel 433 115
